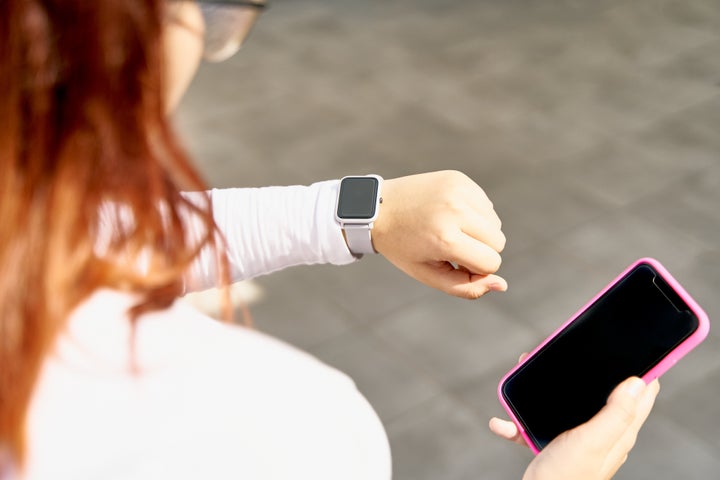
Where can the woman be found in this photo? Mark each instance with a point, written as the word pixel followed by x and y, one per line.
pixel 103 376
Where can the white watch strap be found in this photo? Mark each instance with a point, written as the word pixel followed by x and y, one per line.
pixel 359 238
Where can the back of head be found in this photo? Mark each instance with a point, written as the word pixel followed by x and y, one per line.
pixel 82 124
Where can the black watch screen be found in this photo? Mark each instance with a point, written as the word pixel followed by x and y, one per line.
pixel 358 197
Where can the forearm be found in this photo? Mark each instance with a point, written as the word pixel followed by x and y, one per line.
pixel 271 228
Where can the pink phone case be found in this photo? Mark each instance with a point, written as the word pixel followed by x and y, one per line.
pixel 671 359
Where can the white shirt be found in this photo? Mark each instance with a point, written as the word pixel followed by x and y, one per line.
pixel 209 400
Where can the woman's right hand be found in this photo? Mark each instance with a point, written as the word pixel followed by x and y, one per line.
pixel 596 449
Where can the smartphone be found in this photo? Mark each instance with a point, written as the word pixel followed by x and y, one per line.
pixel 639 325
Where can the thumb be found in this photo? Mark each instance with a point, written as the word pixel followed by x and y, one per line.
pixel 618 416
pixel 458 281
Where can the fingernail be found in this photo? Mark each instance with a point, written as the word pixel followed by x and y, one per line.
pixel 635 387
pixel 498 287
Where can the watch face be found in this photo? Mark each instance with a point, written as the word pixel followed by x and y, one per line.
pixel 358 198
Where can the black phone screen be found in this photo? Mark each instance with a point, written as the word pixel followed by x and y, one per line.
pixel 626 332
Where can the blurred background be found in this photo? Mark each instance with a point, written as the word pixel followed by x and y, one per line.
pixel 593 125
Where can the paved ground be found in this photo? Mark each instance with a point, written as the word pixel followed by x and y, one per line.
pixel 593 125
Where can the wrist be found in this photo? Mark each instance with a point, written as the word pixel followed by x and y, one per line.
pixel 383 222
pixel 356 210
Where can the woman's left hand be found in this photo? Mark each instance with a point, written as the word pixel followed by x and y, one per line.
pixel 441 229
pixel 596 449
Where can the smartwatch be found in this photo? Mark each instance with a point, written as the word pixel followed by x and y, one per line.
pixel 358 202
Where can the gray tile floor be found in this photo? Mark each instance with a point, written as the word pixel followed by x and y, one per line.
pixel 593 125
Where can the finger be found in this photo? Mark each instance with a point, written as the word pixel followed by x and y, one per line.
pixel 646 402
pixel 620 451
pixel 479 201
pixel 461 284
pixel 484 229
pixel 487 211
pixel 478 257
pixel 616 418
pixel 523 356
pixel 458 281
pixel 507 430
pixel 493 283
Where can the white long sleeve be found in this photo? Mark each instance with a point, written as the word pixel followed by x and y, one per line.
pixel 271 228
pixel 209 400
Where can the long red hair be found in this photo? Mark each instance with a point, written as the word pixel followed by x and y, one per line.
pixel 82 125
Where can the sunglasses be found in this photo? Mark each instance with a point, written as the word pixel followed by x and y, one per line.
pixel 227 25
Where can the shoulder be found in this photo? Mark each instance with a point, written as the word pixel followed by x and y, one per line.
pixel 210 399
